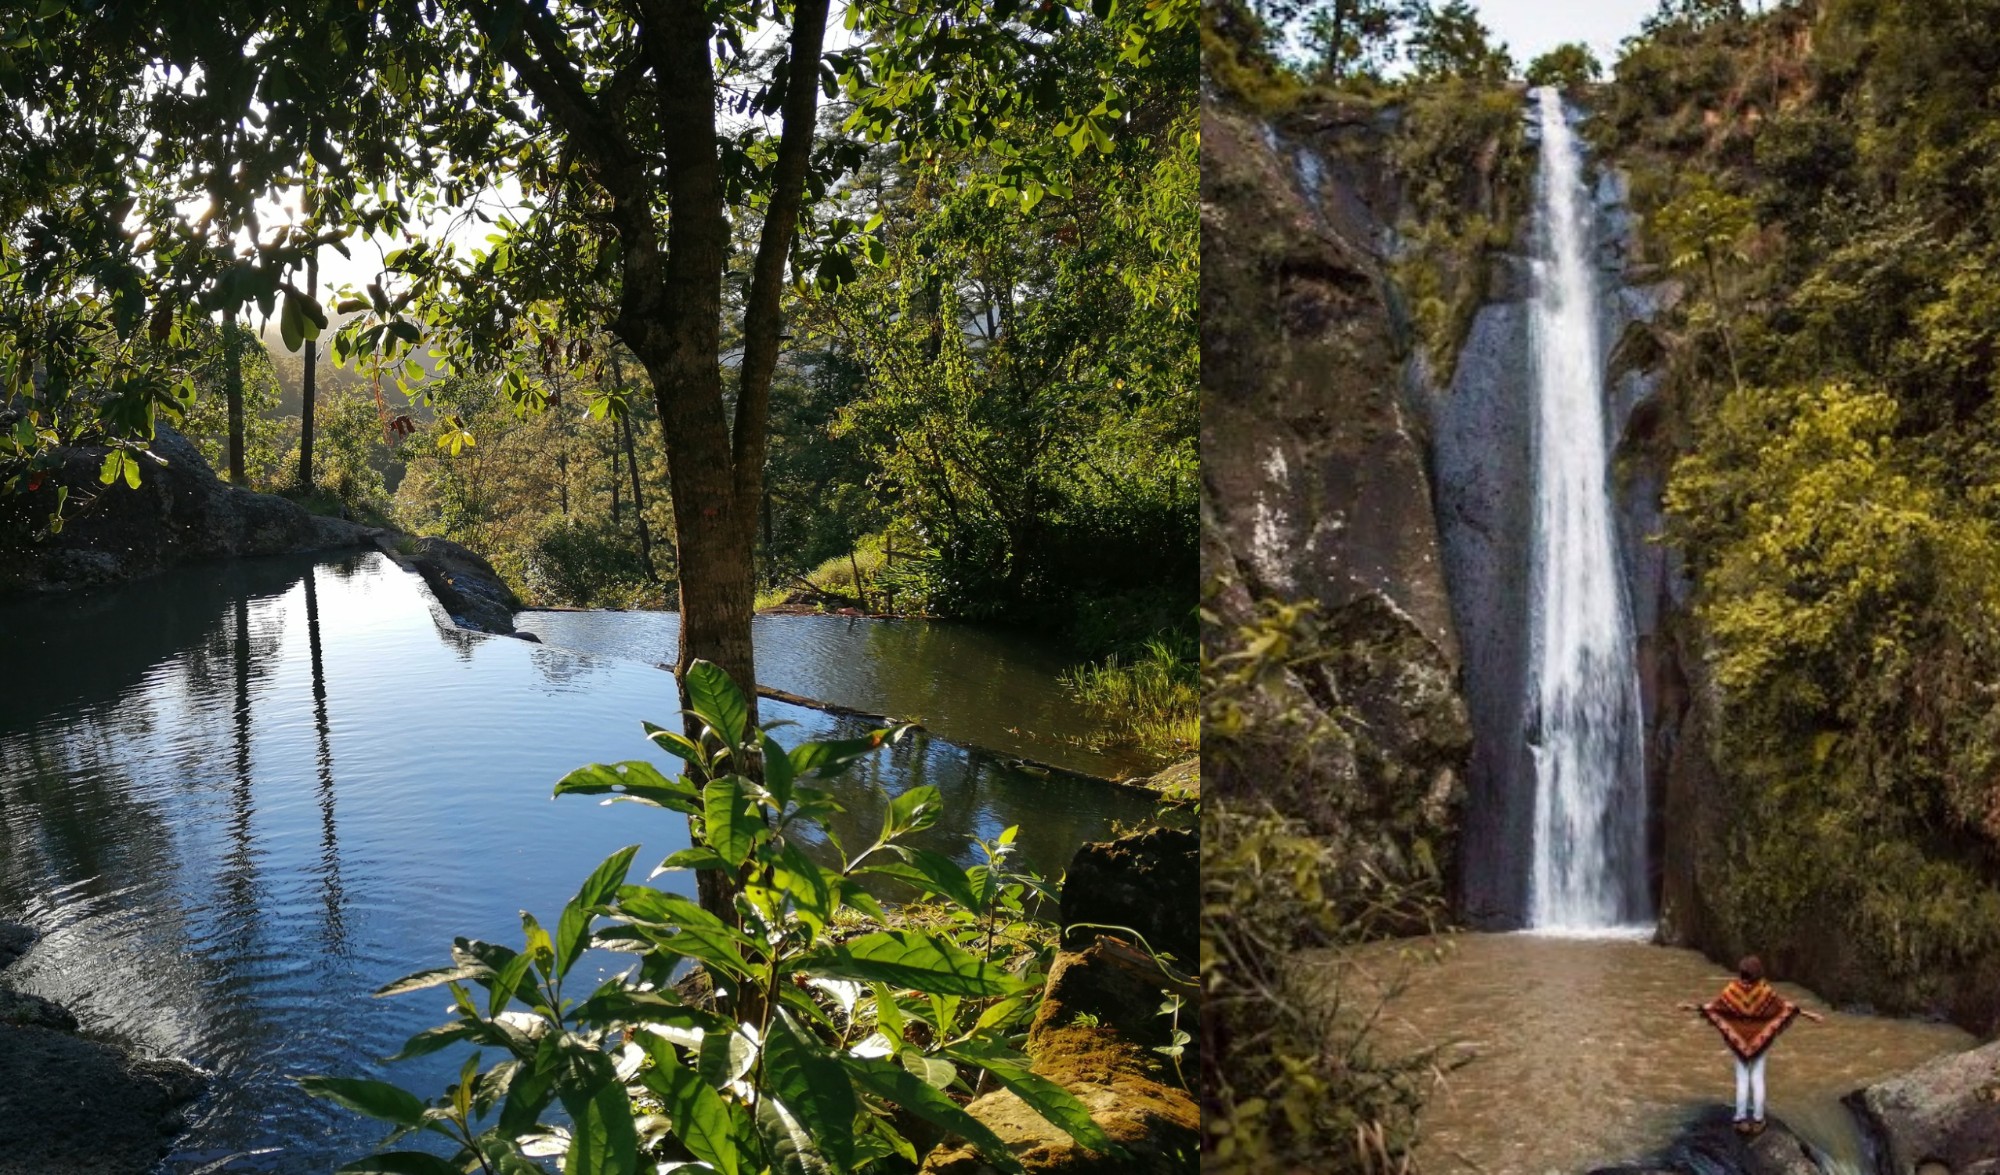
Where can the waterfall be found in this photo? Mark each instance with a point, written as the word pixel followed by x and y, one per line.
pixel 1584 724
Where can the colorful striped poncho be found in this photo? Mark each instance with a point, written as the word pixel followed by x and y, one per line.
pixel 1749 1016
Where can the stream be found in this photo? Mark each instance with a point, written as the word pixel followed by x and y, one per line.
pixel 237 798
pixel 1573 1056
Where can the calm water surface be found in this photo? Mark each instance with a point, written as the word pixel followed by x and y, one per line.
pixel 978 686
pixel 238 798
pixel 1575 1056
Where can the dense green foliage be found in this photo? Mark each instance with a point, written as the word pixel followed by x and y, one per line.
pixel 1293 1071
pixel 1567 67
pixel 1824 177
pixel 818 1042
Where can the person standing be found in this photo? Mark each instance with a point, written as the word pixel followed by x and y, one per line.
pixel 1750 1015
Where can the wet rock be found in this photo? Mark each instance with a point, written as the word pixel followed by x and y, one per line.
pixel 1148 881
pixel 1710 1146
pixel 1945 1114
pixel 180 512
pixel 465 584
pixel 71 1106
pixel 1094 1035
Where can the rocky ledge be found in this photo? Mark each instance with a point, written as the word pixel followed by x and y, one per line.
pixel 1100 1029
pixel 180 512
pixel 1941 1118
pixel 471 593
pixel 70 1105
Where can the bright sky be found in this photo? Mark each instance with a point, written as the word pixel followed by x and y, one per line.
pixel 1533 27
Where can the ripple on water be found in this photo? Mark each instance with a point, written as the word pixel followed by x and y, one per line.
pixel 1573 1055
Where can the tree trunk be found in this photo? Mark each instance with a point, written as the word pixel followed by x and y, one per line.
pixel 854 568
pixel 308 378
pixel 639 503
pixel 232 376
pixel 614 473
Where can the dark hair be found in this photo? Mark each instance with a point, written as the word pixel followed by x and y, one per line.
pixel 1751 969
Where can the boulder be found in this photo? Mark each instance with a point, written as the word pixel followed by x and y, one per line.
pixel 180 512
pixel 465 584
pixel 1709 1145
pixel 1149 881
pixel 1095 1034
pixel 1942 1117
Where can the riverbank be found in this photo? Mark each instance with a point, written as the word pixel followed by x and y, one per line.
pixel 74 1105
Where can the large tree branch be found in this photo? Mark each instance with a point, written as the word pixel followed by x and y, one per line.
pixel 762 313
pixel 557 84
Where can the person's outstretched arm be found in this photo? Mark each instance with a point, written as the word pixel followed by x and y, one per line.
pixel 1686 1007
pixel 1811 1015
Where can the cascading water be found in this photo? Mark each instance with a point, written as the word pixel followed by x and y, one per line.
pixel 1585 732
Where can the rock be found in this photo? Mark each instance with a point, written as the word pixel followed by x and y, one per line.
pixel 1093 1035
pixel 70 1106
pixel 180 512
pixel 1946 1113
pixel 465 584
pixel 1315 485
pixel 15 939
pixel 1710 1146
pixel 20 1009
pixel 1179 783
pixel 1149 881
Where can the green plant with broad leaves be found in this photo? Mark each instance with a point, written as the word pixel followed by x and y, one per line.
pixel 813 1041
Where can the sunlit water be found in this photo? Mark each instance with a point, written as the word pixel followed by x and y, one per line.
pixel 978 686
pixel 238 798
pixel 1589 865
pixel 1576 1057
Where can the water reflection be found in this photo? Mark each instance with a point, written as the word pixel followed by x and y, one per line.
pixel 238 798
pixel 982 687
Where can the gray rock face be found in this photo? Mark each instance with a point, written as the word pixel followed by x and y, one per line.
pixel 180 512
pixel 1942 1118
pixel 1314 479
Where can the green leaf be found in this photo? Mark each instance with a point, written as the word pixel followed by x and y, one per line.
pixel 787 1142
pixel 435 977
pixel 777 769
pixel 1045 1097
pixel 894 1083
pixel 636 779
pixel 716 700
pixel 291 323
pixel 813 1085
pixel 701 857
pixel 114 464
pixel 573 931
pixel 825 760
pixel 691 930
pixel 377 1099
pixel 915 810
pixel 677 744
pixel 714 1131
pixel 732 826
pixel 904 958
pixel 933 873
pixel 602 1138
pixel 430 1040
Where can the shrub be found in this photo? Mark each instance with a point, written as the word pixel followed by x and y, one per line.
pixel 818 1048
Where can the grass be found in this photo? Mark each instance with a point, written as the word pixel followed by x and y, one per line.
pixel 834 580
pixel 1151 702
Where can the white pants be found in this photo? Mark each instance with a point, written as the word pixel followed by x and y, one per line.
pixel 1750 1084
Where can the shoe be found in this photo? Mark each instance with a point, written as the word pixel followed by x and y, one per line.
pixel 1756 1127
pixel 1742 1126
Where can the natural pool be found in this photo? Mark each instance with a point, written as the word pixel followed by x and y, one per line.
pixel 239 797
